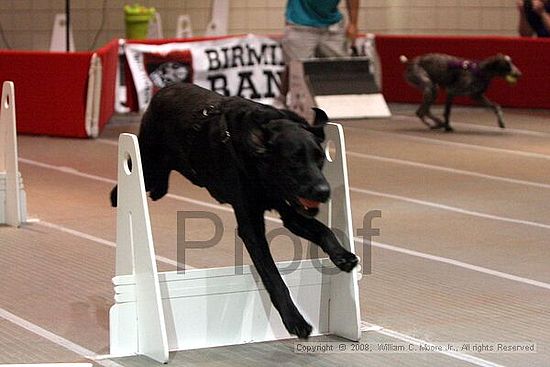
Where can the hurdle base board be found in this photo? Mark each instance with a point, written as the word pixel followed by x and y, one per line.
pixel 22 199
pixel 350 106
pixel 223 306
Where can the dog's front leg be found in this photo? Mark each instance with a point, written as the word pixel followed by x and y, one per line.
pixel 313 230
pixel 495 107
pixel 251 229
pixel 447 112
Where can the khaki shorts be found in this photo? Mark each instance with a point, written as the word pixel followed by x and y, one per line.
pixel 301 42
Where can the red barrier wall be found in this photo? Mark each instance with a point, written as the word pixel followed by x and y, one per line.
pixel 51 87
pixel 530 55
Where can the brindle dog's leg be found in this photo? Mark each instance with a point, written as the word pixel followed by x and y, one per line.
pixel 495 107
pixel 313 230
pixel 447 113
pixel 420 78
pixel 251 229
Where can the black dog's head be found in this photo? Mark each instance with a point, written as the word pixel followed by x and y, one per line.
pixel 291 160
pixel 501 65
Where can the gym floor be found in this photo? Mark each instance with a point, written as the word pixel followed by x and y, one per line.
pixel 462 256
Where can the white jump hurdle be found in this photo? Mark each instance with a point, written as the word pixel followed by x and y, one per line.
pixel 157 312
pixel 12 195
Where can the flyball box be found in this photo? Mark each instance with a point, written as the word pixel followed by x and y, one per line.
pixel 344 87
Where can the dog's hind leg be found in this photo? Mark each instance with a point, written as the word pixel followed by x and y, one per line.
pixel 419 77
pixel 316 232
pixel 429 97
pixel 495 107
pixel 251 229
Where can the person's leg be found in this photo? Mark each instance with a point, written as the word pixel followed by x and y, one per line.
pixel 333 41
pixel 298 42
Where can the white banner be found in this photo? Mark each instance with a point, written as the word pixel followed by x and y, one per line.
pixel 248 66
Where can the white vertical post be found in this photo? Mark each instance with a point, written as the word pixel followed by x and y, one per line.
pixel 184 28
pixel 155 27
pixel 345 316
pixel 59 34
pixel 135 254
pixel 93 96
pixel 218 25
pixel 8 157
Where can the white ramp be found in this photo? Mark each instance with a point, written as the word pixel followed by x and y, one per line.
pixel 12 196
pixel 204 308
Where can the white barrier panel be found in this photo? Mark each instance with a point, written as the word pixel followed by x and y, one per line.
pixel 59 34
pixel 12 195
pixel 204 308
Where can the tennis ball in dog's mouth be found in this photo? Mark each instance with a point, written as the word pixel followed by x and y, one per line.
pixel 511 79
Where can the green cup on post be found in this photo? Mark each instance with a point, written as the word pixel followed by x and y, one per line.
pixel 137 20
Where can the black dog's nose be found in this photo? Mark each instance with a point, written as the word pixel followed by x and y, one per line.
pixel 321 192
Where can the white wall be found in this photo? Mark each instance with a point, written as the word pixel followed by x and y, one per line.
pixel 27 24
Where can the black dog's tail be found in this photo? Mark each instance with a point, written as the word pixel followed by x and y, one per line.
pixel 403 59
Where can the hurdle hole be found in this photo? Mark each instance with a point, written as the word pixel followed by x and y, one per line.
pixel 330 149
pixel 7 102
pixel 127 164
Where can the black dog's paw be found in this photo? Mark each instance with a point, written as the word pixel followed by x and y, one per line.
pixel 449 129
pixel 157 193
pixel 114 196
pixel 345 261
pixel 298 326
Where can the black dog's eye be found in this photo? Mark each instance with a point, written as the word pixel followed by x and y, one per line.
pixel 319 157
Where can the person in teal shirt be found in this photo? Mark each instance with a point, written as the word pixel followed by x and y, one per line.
pixel 316 28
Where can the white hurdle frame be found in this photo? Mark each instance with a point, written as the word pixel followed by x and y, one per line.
pixel 13 209
pixel 93 96
pixel 201 308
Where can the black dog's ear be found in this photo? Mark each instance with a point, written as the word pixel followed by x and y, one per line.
pixel 319 122
pixel 321 117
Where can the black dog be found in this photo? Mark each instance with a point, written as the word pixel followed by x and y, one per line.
pixel 255 158
pixel 459 77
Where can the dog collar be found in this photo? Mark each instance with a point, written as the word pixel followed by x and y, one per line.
pixel 467 65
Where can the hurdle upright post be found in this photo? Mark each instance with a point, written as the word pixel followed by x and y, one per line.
pixel 135 254
pixel 9 168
